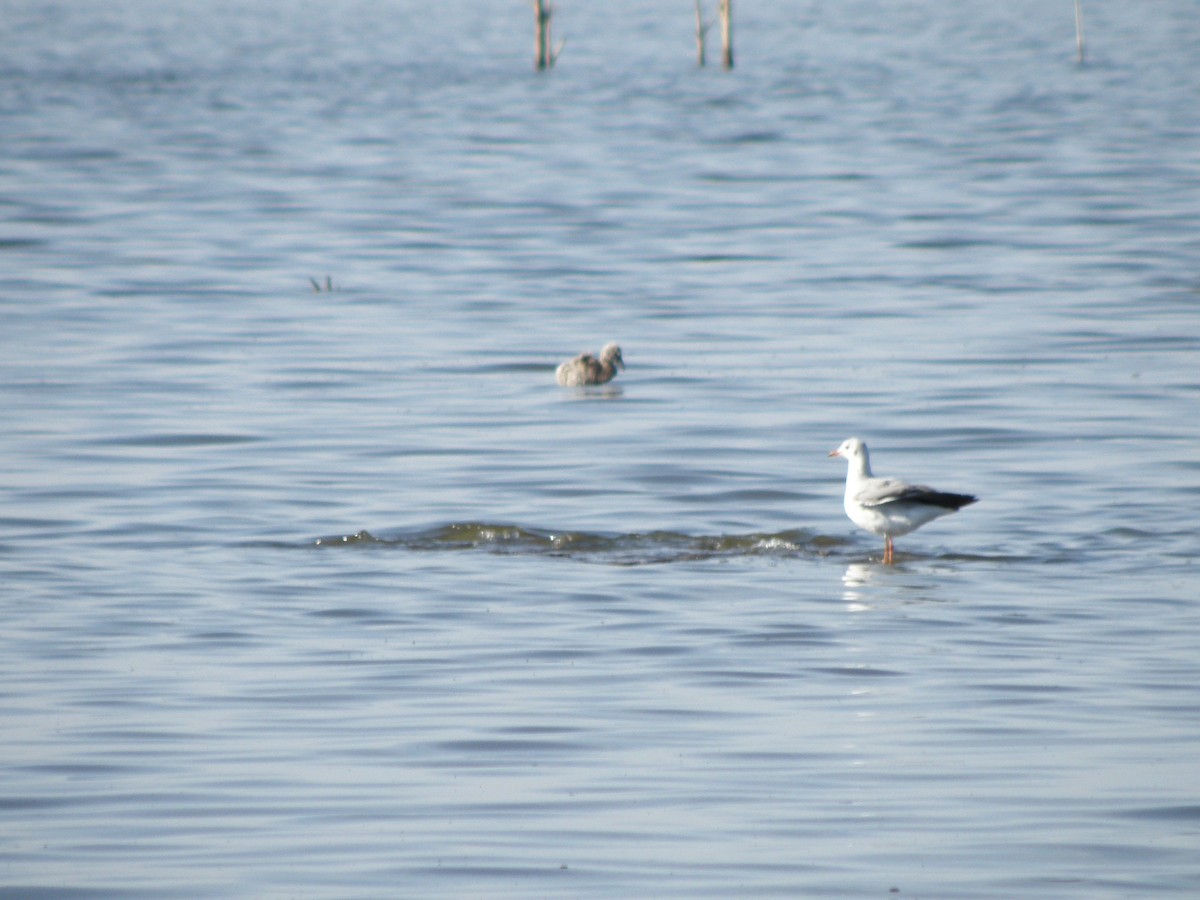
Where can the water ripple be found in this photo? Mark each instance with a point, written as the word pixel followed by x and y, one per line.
pixel 615 549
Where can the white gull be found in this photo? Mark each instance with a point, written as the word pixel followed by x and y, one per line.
pixel 889 506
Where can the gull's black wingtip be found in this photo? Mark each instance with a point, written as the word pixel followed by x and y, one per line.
pixel 948 501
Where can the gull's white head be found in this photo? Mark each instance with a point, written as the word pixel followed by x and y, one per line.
pixel 851 448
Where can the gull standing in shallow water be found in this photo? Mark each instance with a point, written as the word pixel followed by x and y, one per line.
pixel 887 506
pixel 587 369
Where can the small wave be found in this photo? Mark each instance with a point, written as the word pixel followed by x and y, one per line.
pixel 643 548
pixel 181 439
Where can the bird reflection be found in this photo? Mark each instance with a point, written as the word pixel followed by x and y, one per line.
pixel 857 577
pixel 596 392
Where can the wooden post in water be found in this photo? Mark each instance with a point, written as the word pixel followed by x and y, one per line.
pixel 1078 32
pixel 724 8
pixel 701 36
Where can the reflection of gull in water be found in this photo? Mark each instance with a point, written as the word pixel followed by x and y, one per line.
pixel 889 506
pixel 857 577
pixel 587 369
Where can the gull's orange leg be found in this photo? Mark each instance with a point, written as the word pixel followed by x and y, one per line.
pixel 889 550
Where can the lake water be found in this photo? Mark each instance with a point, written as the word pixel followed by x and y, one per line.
pixel 334 593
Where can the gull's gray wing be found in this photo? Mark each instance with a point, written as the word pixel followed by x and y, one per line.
pixel 878 491
pixel 882 491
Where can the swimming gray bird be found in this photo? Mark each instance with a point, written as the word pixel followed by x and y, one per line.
pixel 887 506
pixel 586 369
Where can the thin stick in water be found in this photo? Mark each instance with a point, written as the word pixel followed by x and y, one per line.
pixel 726 12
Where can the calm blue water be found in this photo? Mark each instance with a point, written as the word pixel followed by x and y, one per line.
pixel 334 593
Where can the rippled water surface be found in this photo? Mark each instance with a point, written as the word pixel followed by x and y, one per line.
pixel 313 583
